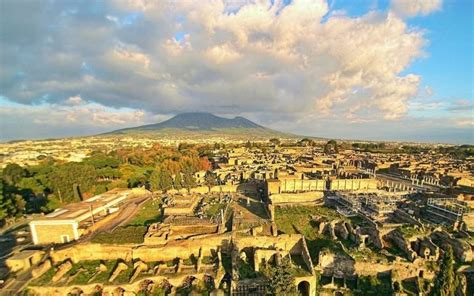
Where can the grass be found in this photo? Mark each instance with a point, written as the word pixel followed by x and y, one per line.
pixel 45 279
pixel 410 231
pixel 149 213
pixel 208 260
pixel 215 209
pixel 124 276
pixel 297 219
pixel 89 269
pixel 82 272
pixel 122 235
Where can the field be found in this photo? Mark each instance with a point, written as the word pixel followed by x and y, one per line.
pixel 149 213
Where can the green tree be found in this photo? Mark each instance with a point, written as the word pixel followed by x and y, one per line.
pixel 161 179
pixel 3 203
pixel 280 280
pixel 13 173
pixel 65 177
pixel 188 179
pixel 331 147
pixel 275 141
pixel 211 179
pixel 178 181
pixel 446 281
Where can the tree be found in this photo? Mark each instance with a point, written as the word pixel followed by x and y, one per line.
pixel 446 281
pixel 65 177
pixel 3 203
pixel 13 173
pixel 210 178
pixel 275 141
pixel 161 179
pixel 331 147
pixel 178 181
pixel 188 179
pixel 280 280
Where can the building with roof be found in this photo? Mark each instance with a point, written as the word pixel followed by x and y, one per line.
pixel 72 221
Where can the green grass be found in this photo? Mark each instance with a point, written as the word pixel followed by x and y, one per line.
pixel 45 279
pixel 82 272
pixel 214 209
pixel 124 276
pixel 410 231
pixel 89 269
pixel 208 260
pixel 104 276
pixel 122 235
pixel 297 219
pixel 149 213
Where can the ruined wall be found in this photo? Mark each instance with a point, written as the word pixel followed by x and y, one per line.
pixel 353 184
pixel 87 251
pixel 286 242
pixel 200 189
pixel 292 185
pixel 296 197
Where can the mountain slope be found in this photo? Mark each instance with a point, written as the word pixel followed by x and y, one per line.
pixel 200 123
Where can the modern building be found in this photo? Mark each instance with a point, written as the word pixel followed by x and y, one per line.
pixel 72 221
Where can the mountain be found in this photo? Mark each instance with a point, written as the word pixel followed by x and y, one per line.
pixel 204 124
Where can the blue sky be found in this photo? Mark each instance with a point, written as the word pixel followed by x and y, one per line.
pixel 366 69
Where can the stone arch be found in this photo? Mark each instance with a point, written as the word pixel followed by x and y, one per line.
pixel 97 291
pixel 146 286
pixel 76 292
pixel 338 293
pixel 396 286
pixel 304 288
pixel 165 285
pixel 119 291
pixel 209 281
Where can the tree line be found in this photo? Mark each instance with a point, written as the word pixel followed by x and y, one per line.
pixel 52 184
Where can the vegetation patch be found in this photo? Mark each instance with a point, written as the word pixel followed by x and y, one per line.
pixel 149 213
pixel 122 235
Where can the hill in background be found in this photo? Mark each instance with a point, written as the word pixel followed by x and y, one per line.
pixel 200 124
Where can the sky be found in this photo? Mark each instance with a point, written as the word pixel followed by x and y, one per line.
pixel 366 69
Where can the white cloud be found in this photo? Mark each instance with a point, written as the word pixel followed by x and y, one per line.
pixel 411 8
pixel 274 63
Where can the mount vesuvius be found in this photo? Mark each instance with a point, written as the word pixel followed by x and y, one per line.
pixel 202 124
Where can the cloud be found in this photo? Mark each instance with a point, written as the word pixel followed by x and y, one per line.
pixel 411 8
pixel 78 118
pixel 271 61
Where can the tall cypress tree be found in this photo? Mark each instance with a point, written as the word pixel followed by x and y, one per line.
pixel 446 280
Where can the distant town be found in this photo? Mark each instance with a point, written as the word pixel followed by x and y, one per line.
pixel 134 215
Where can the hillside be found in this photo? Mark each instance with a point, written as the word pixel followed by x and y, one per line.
pixel 199 124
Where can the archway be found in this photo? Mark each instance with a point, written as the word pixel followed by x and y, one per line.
pixel 146 286
pixel 97 290
pixel 118 292
pixel 76 292
pixel 303 288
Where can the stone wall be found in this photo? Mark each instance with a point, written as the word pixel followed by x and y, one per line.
pixel 293 185
pixel 353 184
pixel 296 197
